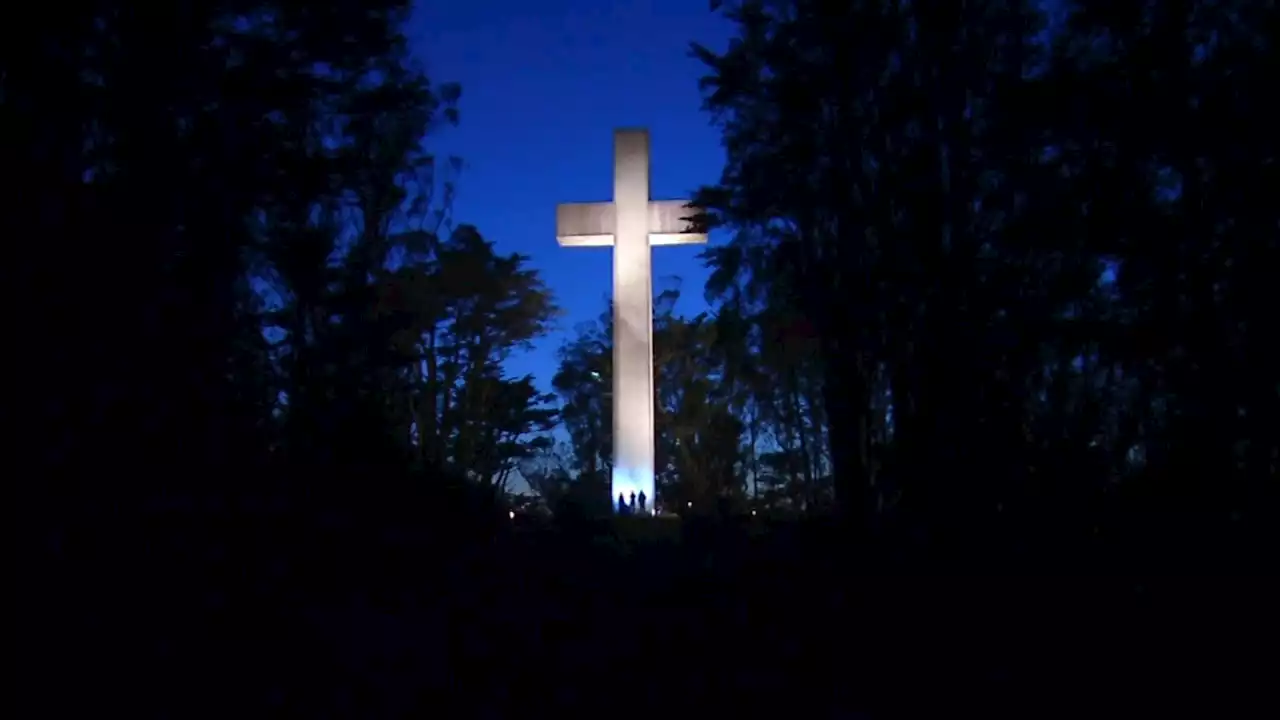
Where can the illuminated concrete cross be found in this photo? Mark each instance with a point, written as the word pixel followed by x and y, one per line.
pixel 631 224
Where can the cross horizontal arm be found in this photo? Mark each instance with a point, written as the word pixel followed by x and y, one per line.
pixel 592 224
pixel 669 223
pixel 585 224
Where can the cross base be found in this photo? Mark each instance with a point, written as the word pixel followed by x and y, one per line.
pixel 625 482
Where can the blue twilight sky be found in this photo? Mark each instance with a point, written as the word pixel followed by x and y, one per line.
pixel 544 84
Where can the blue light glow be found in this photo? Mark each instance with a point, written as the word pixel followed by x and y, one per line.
pixel 626 481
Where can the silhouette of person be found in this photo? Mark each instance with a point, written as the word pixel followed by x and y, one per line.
pixel 622 503
pixel 642 499
pixel 633 499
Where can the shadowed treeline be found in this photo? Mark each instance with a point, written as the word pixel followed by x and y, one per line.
pixel 999 293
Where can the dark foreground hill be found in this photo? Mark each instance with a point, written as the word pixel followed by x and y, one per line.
pixel 221 614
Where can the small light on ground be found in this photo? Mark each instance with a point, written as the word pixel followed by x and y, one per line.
pixel 511 514
pixel 688 504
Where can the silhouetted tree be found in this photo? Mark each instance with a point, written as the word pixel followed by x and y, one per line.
pixel 1017 243
pixel 252 336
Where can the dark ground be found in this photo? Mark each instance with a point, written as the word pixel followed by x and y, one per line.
pixel 277 618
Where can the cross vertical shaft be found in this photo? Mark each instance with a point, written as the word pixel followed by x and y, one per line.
pixel 633 398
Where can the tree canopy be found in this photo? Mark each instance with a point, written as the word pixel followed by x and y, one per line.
pixel 266 270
